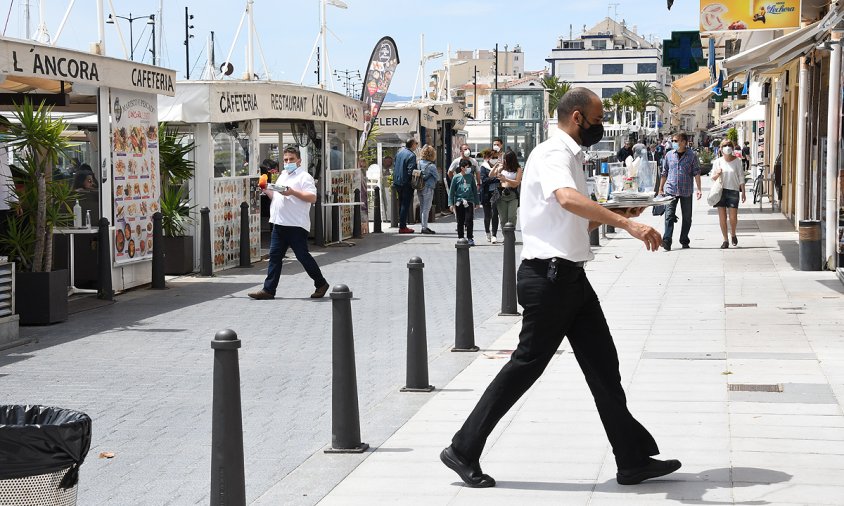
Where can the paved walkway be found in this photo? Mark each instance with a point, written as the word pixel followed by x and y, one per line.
pixel 689 325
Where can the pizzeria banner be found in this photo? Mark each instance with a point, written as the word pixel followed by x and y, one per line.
pixel 26 59
pixel 134 158
pixel 376 82
pixel 728 15
pixel 224 102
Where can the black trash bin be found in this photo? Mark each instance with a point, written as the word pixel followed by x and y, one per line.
pixel 41 449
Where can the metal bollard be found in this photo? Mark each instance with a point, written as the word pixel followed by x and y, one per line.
pixel 245 254
pixel 157 253
pixel 228 486
pixel 394 209
pixel 205 263
pixel 417 340
pixel 356 217
pixel 376 203
pixel 105 290
pixel 810 247
pixel 345 415
pixel 336 230
pixel 508 279
pixel 464 322
pixel 595 237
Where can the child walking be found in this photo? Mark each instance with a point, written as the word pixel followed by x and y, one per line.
pixel 462 199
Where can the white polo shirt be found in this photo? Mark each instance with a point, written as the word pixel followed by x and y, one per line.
pixel 548 230
pixel 290 211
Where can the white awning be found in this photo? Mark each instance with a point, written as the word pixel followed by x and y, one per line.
pixel 755 112
pixel 784 49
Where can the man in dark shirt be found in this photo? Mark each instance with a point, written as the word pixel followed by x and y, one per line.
pixel 745 155
pixel 625 151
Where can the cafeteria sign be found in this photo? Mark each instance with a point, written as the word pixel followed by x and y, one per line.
pixel 730 15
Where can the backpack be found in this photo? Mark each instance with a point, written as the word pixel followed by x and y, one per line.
pixel 417 181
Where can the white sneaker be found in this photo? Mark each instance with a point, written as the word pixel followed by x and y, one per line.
pixel 494 240
pixel 488 237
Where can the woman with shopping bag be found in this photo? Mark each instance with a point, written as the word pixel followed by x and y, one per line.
pixel 728 174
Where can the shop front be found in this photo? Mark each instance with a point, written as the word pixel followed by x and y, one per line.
pixel 236 125
pixel 110 106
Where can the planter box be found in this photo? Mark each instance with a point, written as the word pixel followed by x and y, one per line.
pixel 178 255
pixel 41 297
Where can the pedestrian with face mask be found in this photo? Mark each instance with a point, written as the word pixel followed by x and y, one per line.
pixel 462 199
pixel 291 222
pixel 558 300
pixel 465 154
pixel 680 173
pixel 728 168
pixel 510 176
pixel 490 193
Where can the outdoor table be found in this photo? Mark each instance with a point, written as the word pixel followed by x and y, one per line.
pixel 72 290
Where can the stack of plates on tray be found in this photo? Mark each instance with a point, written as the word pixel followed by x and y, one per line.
pixel 632 197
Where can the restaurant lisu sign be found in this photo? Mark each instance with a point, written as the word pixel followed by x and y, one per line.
pixel 34 60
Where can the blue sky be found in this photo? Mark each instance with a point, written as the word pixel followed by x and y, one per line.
pixel 287 29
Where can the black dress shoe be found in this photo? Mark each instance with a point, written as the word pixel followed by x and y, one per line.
pixel 471 474
pixel 652 469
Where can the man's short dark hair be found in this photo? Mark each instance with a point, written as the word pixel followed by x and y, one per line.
pixel 409 144
pixel 498 140
pixel 465 162
pixel 577 99
pixel 682 136
pixel 293 150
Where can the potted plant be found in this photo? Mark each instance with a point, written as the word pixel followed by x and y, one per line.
pixel 176 169
pixel 705 161
pixel 38 205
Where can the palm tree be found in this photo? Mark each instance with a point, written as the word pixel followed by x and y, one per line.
pixel 556 90
pixel 644 95
pixel 622 100
pixel 608 105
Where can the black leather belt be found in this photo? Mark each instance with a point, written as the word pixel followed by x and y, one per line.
pixel 543 262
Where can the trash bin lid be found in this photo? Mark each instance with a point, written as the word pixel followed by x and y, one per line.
pixel 40 439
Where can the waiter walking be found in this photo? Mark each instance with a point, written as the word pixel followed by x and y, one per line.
pixel 558 301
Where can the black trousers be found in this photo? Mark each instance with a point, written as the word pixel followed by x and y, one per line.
pixel 566 307
pixel 465 220
pixel 671 218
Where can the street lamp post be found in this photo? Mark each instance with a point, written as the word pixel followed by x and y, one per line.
pixel 131 19
pixel 188 37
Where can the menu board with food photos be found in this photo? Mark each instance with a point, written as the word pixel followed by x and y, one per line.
pixel 134 158
pixel 228 194
pixel 343 185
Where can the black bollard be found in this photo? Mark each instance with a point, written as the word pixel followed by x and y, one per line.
pixel 319 225
pixel 105 290
pixel 345 415
pixel 336 229
pixel 376 203
pixel 157 253
pixel 245 254
pixel 394 208
pixel 205 264
pixel 228 485
pixel 356 217
pixel 417 340
pixel 595 237
pixel 464 322
pixel 508 278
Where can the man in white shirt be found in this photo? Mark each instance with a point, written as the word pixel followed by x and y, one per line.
pixel 291 220
pixel 558 301
pixel 465 154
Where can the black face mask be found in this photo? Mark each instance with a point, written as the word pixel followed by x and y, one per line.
pixel 591 135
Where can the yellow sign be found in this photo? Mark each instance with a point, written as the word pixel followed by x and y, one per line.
pixel 727 15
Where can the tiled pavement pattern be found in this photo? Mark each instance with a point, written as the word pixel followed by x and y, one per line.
pixel 142 367
pixel 681 342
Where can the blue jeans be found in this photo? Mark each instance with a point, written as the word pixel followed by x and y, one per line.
pixel 405 201
pixel 671 217
pixel 297 239
pixel 426 198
